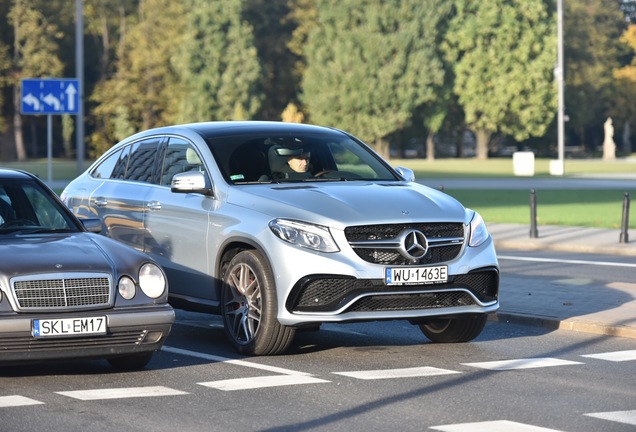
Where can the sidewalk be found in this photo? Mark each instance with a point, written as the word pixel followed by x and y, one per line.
pixel 609 311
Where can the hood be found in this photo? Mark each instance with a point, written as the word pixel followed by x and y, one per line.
pixel 44 253
pixel 341 204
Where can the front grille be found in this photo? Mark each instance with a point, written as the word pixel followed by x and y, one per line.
pixel 400 302
pixel 61 291
pixel 445 242
pixel 322 293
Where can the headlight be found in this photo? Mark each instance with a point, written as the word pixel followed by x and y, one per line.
pixel 126 287
pixel 478 231
pixel 152 280
pixel 304 235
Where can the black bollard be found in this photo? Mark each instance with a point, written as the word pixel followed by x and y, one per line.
pixel 534 233
pixel 624 238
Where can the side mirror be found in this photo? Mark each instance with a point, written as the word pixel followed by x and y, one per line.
pixel 93 225
pixel 190 182
pixel 407 174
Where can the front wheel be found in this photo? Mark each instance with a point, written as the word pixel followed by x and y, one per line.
pixel 249 307
pixel 452 330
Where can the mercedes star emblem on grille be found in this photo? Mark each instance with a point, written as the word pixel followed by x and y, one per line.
pixel 413 244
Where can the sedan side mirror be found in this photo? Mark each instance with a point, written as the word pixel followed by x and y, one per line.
pixel 93 225
pixel 190 182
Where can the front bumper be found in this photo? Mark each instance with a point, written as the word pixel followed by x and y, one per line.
pixel 130 331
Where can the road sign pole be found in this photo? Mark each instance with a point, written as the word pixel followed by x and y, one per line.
pixel 49 150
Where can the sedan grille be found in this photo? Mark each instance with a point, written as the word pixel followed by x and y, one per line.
pixel 381 244
pixel 62 291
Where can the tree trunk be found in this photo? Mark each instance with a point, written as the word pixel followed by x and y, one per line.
pixel 430 147
pixel 483 137
pixel 17 126
pixel 382 147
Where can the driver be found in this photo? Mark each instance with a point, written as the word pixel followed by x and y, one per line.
pixel 300 163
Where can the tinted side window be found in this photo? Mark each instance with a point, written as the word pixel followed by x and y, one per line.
pixel 181 156
pixel 142 160
pixel 106 168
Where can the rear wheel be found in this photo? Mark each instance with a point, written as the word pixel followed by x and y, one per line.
pixel 451 330
pixel 249 307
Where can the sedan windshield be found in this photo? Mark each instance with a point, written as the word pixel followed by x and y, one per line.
pixel 26 206
pixel 297 158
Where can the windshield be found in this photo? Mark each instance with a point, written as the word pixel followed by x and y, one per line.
pixel 26 206
pixel 297 158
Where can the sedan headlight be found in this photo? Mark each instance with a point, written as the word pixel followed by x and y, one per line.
pixel 478 231
pixel 151 280
pixel 304 235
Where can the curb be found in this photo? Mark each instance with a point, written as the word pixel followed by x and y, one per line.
pixel 569 324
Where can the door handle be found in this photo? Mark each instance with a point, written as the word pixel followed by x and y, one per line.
pixel 101 202
pixel 153 205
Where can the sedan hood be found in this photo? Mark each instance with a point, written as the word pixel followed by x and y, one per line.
pixel 42 253
pixel 341 204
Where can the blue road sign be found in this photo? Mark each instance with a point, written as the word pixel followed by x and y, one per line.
pixel 50 96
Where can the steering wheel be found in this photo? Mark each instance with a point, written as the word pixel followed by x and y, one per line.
pixel 18 223
pixel 323 173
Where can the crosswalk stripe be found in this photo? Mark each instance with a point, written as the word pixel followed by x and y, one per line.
pixel 627 417
pixel 397 373
pixel 616 356
pixel 522 364
pixel 492 426
pixel 121 393
pixel 16 400
pixel 262 382
pixel 228 360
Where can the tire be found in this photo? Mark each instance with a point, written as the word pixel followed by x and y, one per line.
pixel 131 362
pixel 453 330
pixel 249 306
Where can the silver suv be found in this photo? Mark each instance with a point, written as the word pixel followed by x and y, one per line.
pixel 279 226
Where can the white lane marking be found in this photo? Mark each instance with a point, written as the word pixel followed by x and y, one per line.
pixel 566 261
pixel 521 364
pixel 627 417
pixel 15 401
pixel 220 359
pixel 397 373
pixel 616 356
pixel 492 426
pixel 261 382
pixel 121 393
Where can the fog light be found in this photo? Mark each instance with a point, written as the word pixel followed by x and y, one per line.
pixel 153 337
pixel 126 288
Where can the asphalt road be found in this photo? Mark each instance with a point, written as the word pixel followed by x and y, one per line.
pixel 356 377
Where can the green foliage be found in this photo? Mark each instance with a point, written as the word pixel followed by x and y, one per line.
pixel 503 54
pixel 371 63
pixel 217 64
pixel 592 31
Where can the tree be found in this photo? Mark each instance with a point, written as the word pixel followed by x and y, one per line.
pixel 217 64
pixel 35 55
pixel 592 30
pixel 624 110
pixel 503 54
pixel 143 90
pixel 370 64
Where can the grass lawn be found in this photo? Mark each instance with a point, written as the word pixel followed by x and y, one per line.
pixel 592 208
pixel 579 207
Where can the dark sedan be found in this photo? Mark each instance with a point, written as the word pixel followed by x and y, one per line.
pixel 67 293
